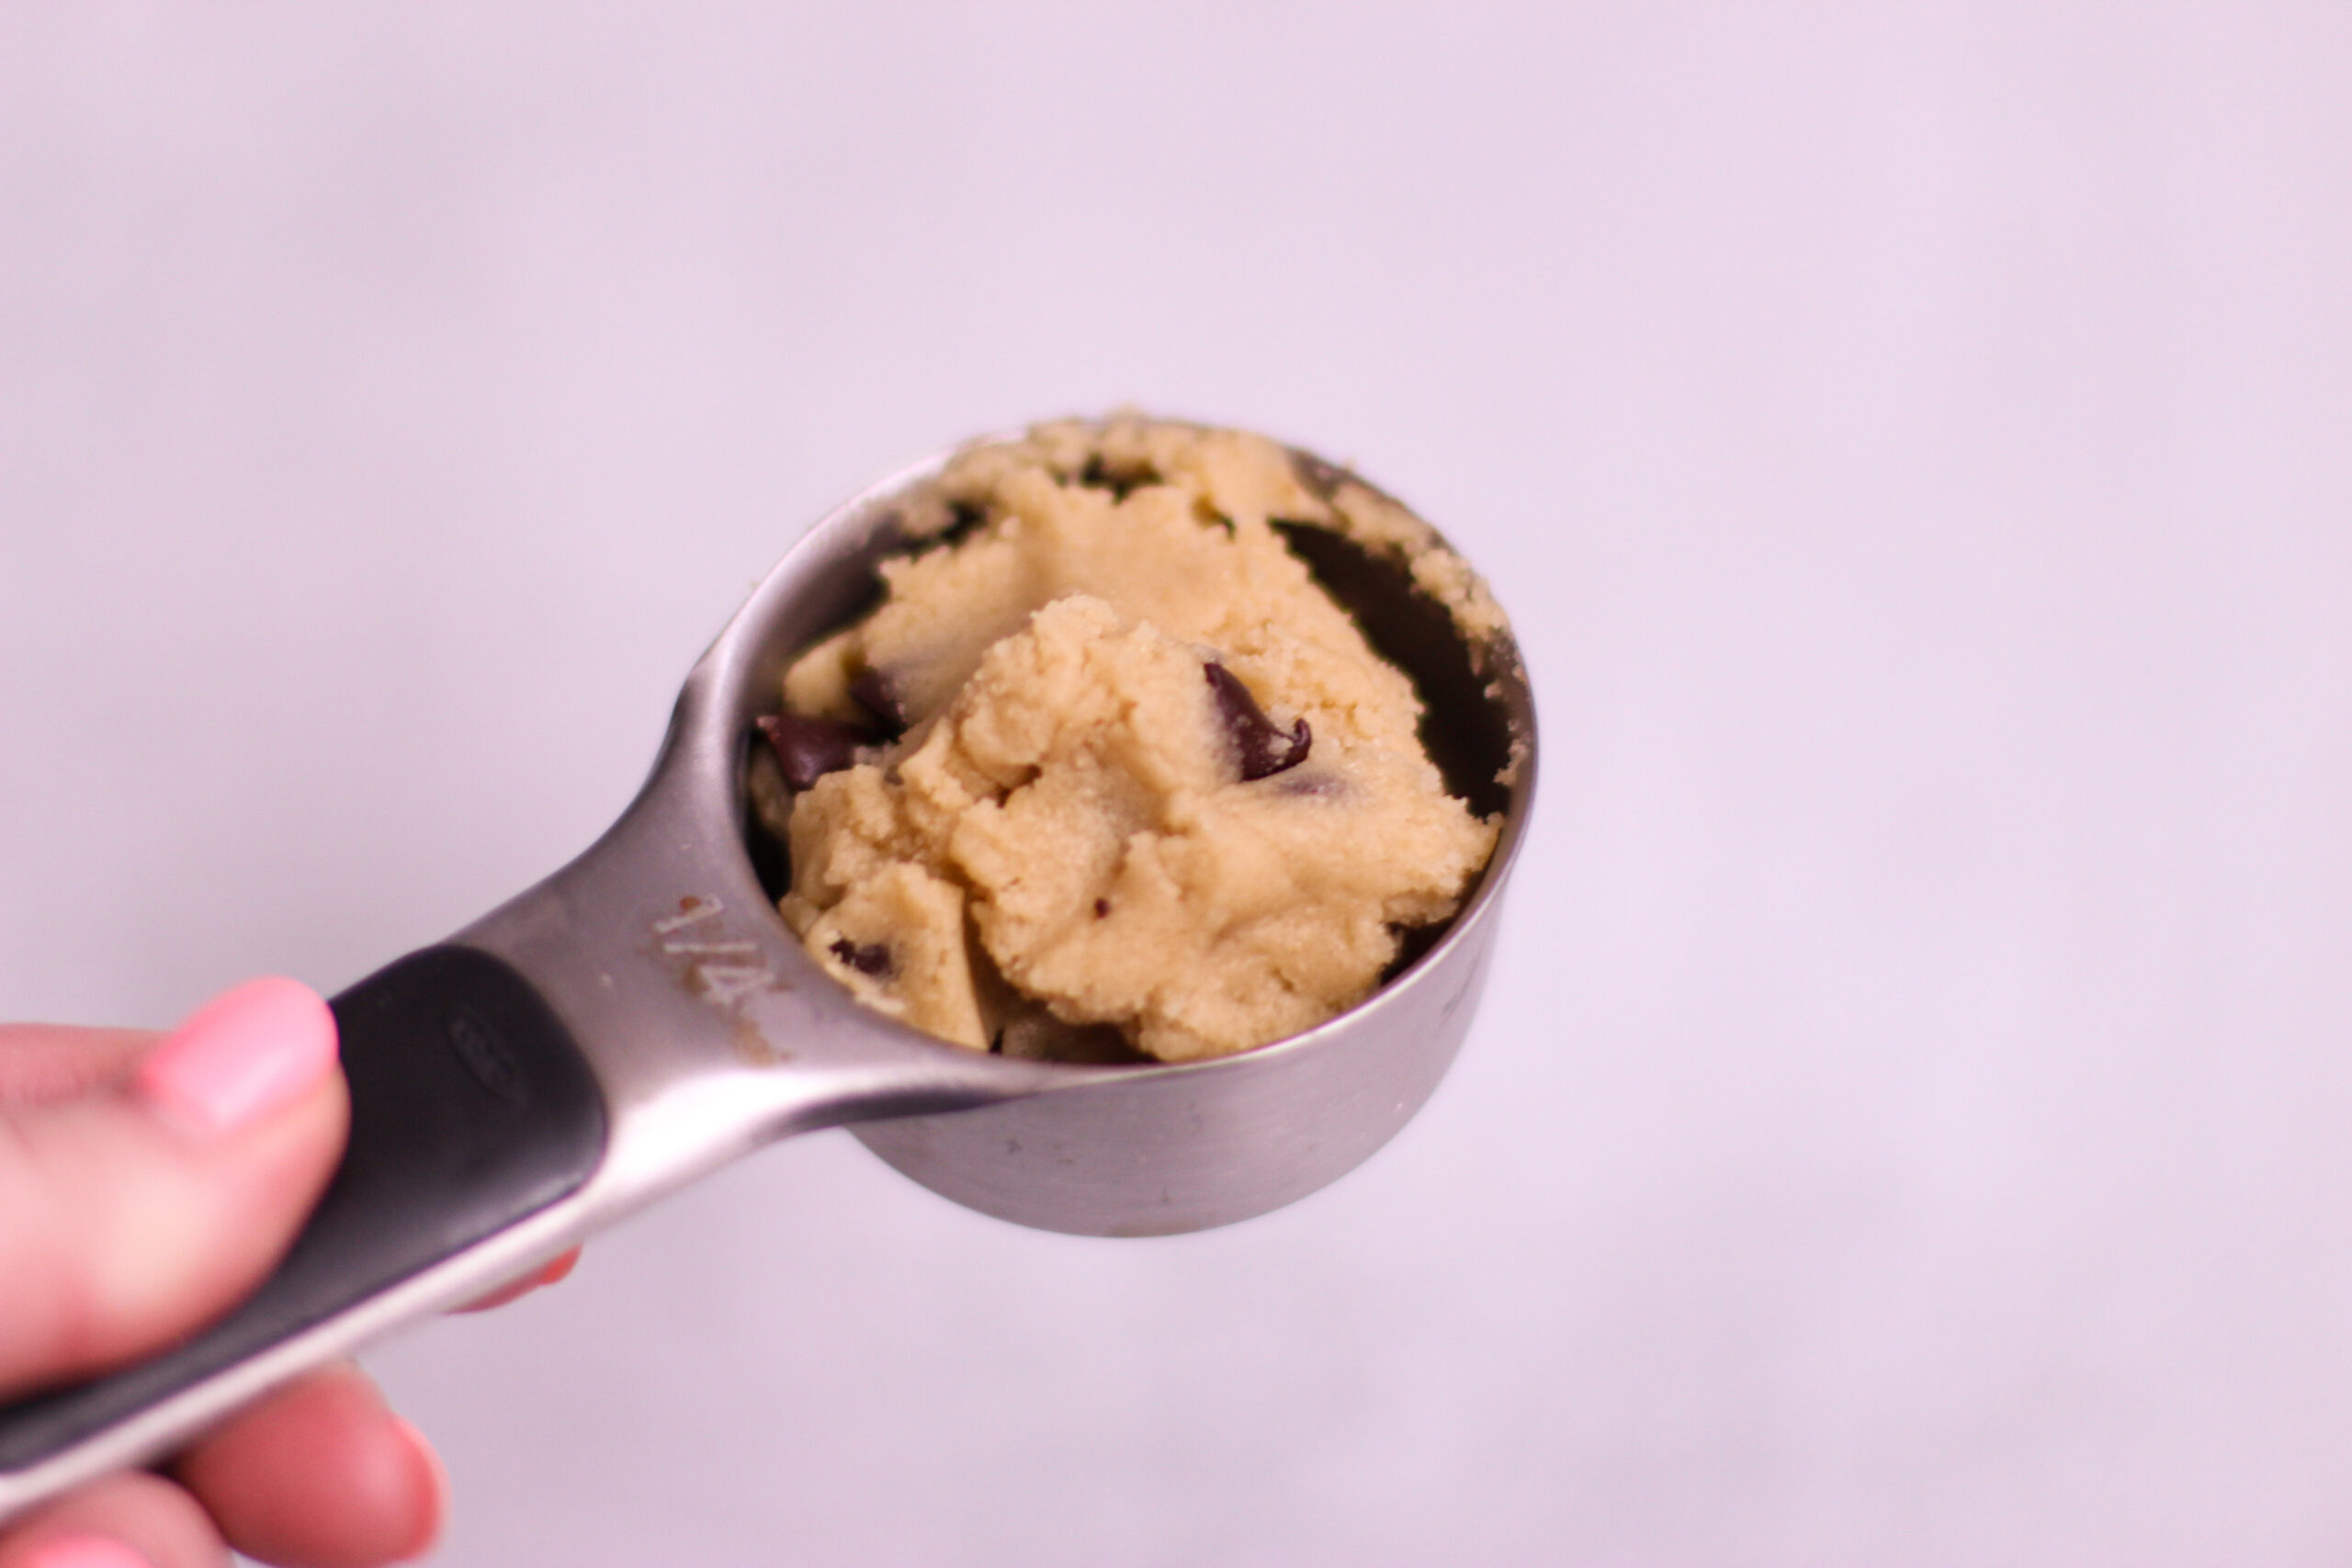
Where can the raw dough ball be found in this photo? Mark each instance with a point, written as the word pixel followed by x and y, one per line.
pixel 1150 776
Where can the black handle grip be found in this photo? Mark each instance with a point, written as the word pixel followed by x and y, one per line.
pixel 471 1108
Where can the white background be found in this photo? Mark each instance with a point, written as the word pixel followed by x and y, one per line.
pixel 1908 1122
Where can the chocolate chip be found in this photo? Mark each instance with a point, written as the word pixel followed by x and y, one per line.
pixel 1260 748
pixel 1101 908
pixel 871 959
pixel 810 748
pixel 874 693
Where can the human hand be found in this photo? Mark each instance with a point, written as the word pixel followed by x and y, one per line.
pixel 146 1186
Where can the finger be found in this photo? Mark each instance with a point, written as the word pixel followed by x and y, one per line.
pixel 130 1217
pixel 322 1475
pixel 553 1272
pixel 42 1062
pixel 133 1521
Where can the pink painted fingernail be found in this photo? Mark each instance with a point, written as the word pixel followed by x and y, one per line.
pixel 85 1551
pixel 252 1049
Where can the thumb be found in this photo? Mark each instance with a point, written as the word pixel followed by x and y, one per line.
pixel 132 1215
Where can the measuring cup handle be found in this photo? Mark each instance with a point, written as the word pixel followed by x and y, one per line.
pixel 471 1108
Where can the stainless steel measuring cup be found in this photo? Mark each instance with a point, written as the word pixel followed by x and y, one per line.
pixel 644 1016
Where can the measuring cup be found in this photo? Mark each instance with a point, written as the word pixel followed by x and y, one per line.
pixel 644 1016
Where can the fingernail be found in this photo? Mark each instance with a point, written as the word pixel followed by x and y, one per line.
pixel 84 1551
pixel 252 1050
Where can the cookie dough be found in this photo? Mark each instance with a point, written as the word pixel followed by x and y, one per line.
pixel 1106 770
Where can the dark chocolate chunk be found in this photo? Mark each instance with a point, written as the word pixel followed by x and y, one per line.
pixel 810 748
pixel 1260 748
pixel 871 959
pixel 874 693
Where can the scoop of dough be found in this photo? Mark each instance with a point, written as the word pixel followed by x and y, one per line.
pixel 1152 778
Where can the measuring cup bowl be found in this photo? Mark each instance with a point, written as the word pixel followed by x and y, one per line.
pixel 1158 1151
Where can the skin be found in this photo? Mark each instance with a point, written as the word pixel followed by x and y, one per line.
pixel 321 1475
